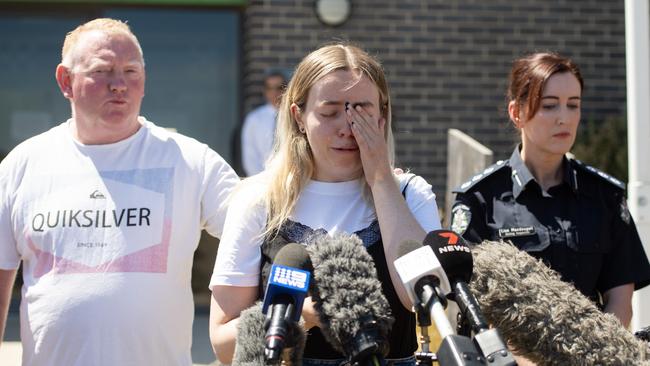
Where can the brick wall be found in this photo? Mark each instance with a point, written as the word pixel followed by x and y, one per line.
pixel 447 61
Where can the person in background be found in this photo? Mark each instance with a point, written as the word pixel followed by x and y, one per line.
pixel 570 215
pixel 259 126
pixel 332 171
pixel 105 212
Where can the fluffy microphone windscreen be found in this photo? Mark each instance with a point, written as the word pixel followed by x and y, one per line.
pixel 545 319
pixel 346 289
pixel 250 343
pixel 249 346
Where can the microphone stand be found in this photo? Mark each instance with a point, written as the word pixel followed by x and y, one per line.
pixel 425 357
pixel 487 339
pixel 455 350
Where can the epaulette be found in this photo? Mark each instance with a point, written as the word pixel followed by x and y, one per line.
pixel 463 188
pixel 590 169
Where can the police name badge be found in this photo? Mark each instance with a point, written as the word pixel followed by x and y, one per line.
pixel 513 232
pixel 461 216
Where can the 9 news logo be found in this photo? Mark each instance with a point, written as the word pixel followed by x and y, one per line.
pixel 290 277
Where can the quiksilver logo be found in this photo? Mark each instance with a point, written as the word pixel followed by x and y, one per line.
pixel 135 216
pixel 97 195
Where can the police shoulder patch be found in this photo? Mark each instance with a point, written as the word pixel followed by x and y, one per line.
pixel 480 176
pixel 599 173
pixel 461 216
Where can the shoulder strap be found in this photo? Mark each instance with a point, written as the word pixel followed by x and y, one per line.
pixel 602 175
pixel 407 184
pixel 463 188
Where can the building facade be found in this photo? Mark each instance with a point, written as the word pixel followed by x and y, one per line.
pixel 447 62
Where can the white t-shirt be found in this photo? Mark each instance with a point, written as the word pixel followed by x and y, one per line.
pixel 333 207
pixel 107 234
pixel 257 138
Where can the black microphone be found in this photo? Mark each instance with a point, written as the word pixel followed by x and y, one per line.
pixel 456 259
pixel 643 334
pixel 286 290
pixel 544 318
pixel 353 311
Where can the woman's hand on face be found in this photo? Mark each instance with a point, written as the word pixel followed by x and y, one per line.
pixel 309 314
pixel 368 131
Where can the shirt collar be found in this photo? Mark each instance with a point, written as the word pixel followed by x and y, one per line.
pixel 521 176
pixel 520 173
pixel 570 174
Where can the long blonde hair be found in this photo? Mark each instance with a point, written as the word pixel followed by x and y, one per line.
pixel 292 163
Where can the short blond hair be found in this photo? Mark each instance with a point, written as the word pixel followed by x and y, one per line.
pixel 106 25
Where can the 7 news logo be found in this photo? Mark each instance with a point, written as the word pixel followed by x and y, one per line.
pixel 290 277
pixel 454 243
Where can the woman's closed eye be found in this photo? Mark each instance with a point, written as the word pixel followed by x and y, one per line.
pixel 329 114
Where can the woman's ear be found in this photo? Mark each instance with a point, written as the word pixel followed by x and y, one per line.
pixel 515 114
pixel 297 116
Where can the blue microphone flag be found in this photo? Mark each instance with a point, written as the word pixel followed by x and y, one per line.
pixel 288 281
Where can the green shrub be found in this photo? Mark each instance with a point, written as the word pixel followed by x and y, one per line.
pixel 603 144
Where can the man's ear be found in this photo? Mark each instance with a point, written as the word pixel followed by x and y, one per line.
pixel 515 114
pixel 64 79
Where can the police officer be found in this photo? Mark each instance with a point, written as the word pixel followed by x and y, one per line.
pixel 572 216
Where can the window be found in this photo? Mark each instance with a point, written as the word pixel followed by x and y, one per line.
pixel 192 58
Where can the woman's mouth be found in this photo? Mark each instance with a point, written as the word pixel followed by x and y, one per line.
pixel 346 149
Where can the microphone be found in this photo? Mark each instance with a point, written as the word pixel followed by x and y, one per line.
pixel 643 334
pixel 426 284
pixel 348 297
pixel 544 318
pixel 250 342
pixel 456 260
pixel 285 293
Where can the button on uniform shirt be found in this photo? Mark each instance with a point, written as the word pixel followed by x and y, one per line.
pixel 581 228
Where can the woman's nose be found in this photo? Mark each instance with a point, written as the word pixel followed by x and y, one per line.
pixel 344 126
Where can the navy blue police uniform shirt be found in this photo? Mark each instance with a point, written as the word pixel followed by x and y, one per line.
pixel 581 228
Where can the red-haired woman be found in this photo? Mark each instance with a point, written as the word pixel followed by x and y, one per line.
pixel 572 216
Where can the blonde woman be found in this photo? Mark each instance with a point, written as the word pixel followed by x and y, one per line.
pixel 331 171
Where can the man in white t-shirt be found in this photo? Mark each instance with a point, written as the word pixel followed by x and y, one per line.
pixel 105 212
pixel 259 125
